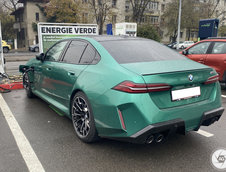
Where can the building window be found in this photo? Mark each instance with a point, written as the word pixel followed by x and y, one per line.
pixel 127 5
pixel 114 18
pixel 19 18
pixel 154 19
pixel 84 1
pixel 126 18
pixel 143 19
pixel 37 16
pixel 114 3
pixel 217 12
pixel 36 39
pixel 153 5
pixel 181 34
pixel 162 7
pixel 85 17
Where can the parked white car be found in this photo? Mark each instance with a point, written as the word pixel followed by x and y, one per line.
pixel 185 44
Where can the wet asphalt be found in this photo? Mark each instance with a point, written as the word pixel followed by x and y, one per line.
pixel 53 140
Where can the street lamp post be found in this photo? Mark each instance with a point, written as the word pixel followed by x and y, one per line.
pixel 178 28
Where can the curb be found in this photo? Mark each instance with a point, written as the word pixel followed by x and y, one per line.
pixel 12 86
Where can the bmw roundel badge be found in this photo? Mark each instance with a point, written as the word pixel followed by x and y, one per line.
pixel 190 77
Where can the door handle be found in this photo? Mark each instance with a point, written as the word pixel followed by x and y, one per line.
pixel 71 73
pixel 48 69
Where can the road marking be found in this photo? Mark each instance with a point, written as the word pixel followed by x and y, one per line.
pixel 204 133
pixel 223 96
pixel 23 144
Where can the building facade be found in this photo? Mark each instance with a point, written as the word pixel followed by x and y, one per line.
pixel 119 11
pixel 27 18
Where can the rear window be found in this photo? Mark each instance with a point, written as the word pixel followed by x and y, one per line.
pixel 132 51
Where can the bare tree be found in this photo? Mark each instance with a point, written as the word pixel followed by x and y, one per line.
pixel 169 19
pixel 208 8
pixel 101 8
pixel 138 7
pixel 10 5
pixel 192 12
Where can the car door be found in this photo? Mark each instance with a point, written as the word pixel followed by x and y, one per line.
pixel 76 58
pixel 217 58
pixel 198 52
pixel 46 72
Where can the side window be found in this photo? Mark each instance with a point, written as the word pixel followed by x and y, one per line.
pixel 96 59
pixel 54 53
pixel 88 55
pixel 74 52
pixel 200 48
pixel 219 48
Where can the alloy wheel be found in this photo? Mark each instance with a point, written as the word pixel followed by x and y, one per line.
pixel 81 116
pixel 26 81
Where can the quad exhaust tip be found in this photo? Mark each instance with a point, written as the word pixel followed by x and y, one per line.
pixel 150 139
pixel 159 138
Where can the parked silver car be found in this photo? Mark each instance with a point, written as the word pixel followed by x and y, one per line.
pixel 34 48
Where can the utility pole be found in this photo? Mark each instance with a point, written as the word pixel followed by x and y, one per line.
pixel 178 28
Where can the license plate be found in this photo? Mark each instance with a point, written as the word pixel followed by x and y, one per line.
pixel 185 93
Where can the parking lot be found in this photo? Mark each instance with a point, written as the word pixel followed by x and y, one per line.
pixel 54 146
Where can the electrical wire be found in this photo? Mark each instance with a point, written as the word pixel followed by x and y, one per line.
pixel 12 79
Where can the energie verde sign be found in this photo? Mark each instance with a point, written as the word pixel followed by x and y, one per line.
pixel 50 33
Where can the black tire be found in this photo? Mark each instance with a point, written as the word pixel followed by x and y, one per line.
pixel 182 47
pixel 27 85
pixel 82 118
pixel 36 49
pixel 5 49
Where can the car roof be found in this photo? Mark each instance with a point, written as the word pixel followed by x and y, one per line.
pixel 103 38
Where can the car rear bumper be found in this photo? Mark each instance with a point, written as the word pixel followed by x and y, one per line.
pixel 210 117
pixel 171 126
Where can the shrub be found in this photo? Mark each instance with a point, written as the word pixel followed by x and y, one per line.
pixel 148 31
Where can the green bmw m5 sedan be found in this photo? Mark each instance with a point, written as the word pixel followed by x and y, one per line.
pixel 124 88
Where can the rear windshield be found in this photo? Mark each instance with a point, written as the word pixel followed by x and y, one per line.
pixel 132 51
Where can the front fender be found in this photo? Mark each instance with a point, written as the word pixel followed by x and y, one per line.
pixel 23 68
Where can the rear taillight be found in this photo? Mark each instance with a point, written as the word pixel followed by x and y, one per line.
pixel 130 87
pixel 212 79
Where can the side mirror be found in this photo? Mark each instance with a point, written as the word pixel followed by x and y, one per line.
pixel 184 52
pixel 40 57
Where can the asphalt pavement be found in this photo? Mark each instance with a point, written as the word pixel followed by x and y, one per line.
pixel 53 140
